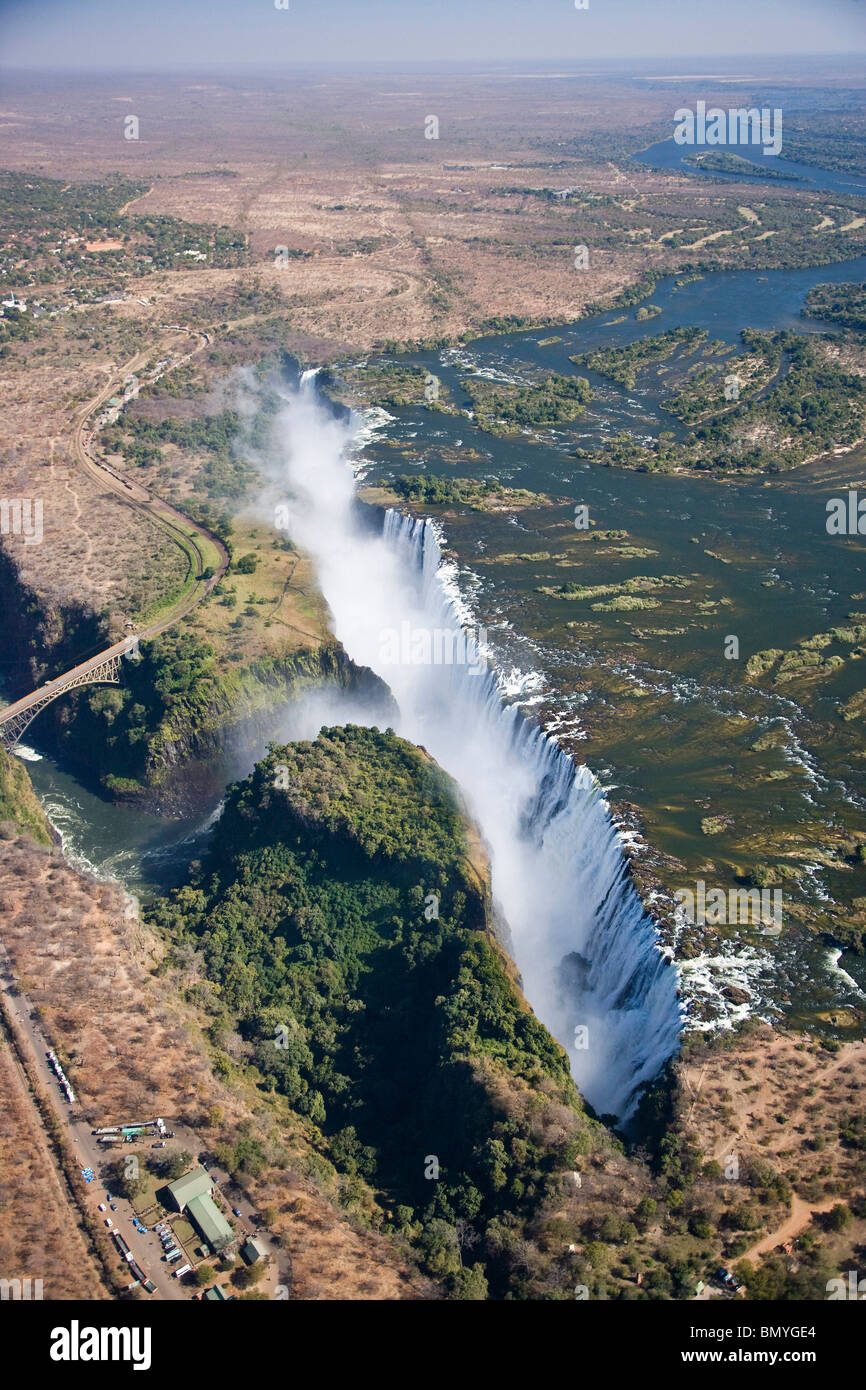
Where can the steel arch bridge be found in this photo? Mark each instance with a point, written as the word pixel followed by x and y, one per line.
pixel 104 669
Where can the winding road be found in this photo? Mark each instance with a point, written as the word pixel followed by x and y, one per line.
pixel 187 534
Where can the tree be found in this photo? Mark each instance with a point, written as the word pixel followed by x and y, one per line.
pixel 176 1164
pixel 469 1284
pixel 646 1210
pixel 246 1275
pixel 439 1244
pixel 598 1255
pixel 838 1218
pixel 126 1177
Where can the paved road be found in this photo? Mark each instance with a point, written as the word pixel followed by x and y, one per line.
pixel 88 1153
pixel 83 1146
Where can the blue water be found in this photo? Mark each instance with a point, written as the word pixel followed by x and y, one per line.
pixel 668 155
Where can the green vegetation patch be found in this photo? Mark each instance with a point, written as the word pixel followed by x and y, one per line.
pixel 19 806
pixel 557 400
pixel 430 490
pixel 383 383
pixel 625 603
pixel 621 364
pixel 723 162
pixel 640 585
pixel 806 659
pixel 844 304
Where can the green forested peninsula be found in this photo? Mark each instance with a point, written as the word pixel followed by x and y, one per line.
pixel 343 919
pixel 845 304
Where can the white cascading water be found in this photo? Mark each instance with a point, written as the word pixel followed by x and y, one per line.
pixel 587 950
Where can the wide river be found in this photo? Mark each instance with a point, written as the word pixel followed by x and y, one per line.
pixel 664 721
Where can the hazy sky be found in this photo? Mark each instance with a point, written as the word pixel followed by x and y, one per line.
pixel 149 34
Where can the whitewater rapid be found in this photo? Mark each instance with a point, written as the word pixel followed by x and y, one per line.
pixel 587 950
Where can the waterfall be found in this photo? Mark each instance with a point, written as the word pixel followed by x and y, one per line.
pixel 587 950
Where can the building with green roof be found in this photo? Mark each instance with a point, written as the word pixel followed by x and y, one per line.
pixel 191 1196
pixel 210 1223
pixel 193 1184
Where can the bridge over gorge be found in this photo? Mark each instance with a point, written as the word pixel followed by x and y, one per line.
pixel 103 669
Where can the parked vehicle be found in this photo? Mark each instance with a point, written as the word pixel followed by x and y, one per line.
pixel 184 1269
pixel 149 1286
pixel 101 1206
pixel 236 1211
